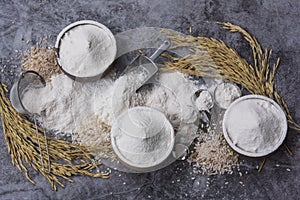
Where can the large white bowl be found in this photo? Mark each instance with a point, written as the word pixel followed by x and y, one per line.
pixel 102 28
pixel 126 152
pixel 281 117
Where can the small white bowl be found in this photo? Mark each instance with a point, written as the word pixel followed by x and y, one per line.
pixel 103 29
pixel 130 143
pixel 238 148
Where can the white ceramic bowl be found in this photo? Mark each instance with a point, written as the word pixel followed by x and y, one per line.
pixel 130 143
pixel 102 29
pixel 237 147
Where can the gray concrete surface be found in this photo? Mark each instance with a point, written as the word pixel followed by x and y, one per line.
pixel 276 25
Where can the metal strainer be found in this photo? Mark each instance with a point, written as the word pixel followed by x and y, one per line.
pixel 29 80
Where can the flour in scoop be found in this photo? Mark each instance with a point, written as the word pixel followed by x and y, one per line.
pixel 86 50
pixel 204 101
pixel 226 93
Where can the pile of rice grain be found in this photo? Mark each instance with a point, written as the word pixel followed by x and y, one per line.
pixel 212 155
pixel 41 60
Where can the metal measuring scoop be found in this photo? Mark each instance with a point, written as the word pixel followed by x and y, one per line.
pixel 29 80
pixel 151 68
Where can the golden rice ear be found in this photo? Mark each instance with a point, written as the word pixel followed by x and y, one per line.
pixel 21 140
pixel 213 58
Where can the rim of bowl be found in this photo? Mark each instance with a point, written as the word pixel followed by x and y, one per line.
pixel 73 25
pixel 162 159
pixel 282 116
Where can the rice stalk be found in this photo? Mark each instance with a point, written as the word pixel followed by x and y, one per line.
pixel 66 159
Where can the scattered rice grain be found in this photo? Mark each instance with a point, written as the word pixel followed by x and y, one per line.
pixel 41 60
pixel 213 155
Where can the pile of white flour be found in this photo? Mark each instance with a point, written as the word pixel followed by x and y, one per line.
pixel 172 94
pixel 66 104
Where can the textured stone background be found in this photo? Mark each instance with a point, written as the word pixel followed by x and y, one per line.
pixel 276 25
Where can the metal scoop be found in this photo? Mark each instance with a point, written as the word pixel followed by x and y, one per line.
pixel 151 68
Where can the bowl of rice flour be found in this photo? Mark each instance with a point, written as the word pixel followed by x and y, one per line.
pixel 254 125
pixel 142 137
pixel 85 49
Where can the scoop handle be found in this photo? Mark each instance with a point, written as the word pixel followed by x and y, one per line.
pixel 152 69
pixel 160 49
